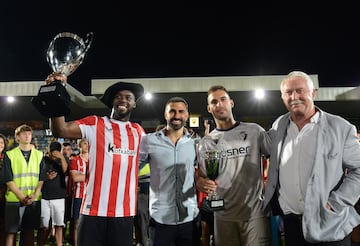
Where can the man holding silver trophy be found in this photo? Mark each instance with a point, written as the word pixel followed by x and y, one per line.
pixel 235 148
pixel 109 204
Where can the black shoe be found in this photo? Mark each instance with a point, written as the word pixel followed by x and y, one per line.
pixel 52 239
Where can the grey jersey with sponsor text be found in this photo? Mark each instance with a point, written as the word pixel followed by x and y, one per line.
pixel 240 174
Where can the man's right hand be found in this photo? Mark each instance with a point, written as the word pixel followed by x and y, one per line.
pixel 56 77
pixel 205 185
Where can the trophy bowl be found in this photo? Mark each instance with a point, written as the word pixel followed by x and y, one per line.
pixel 65 54
pixel 209 164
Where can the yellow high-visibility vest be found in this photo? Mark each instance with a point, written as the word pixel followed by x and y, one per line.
pixel 26 175
pixel 145 171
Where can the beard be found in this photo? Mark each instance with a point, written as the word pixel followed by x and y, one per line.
pixel 120 115
pixel 176 126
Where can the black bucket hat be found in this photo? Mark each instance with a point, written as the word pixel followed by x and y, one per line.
pixel 110 92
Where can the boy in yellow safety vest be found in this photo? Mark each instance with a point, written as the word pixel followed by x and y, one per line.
pixel 24 175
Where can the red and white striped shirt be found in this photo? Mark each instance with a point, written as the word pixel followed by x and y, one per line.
pixel 79 165
pixel 111 190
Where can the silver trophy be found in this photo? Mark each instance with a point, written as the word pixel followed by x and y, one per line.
pixel 210 161
pixel 65 54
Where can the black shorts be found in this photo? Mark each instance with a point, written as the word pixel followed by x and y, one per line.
pixel 19 217
pixel 98 231
pixel 76 206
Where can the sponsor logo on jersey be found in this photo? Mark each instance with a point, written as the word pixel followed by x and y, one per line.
pixel 112 148
pixel 235 152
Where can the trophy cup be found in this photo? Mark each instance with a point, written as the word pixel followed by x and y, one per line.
pixel 210 161
pixel 65 53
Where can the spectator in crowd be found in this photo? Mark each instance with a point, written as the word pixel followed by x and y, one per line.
pixel 67 151
pixel 24 177
pixel 3 148
pixel 307 185
pixel 142 217
pixel 53 195
pixel 239 182
pixel 109 205
pixel 171 152
pixel 78 166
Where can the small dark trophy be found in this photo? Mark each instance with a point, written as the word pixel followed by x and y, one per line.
pixel 65 54
pixel 210 161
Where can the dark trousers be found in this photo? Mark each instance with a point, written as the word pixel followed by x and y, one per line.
pixel 142 215
pixel 294 233
pixel 100 231
pixel 186 234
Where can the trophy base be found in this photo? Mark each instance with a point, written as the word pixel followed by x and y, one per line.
pixel 215 205
pixel 52 100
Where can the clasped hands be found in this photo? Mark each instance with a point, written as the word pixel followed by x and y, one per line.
pixel 27 200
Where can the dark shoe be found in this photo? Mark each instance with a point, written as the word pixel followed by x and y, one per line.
pixel 52 239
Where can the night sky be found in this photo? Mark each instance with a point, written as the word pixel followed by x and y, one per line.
pixel 184 39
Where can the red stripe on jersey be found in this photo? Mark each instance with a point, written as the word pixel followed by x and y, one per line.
pixel 111 187
pixel 79 165
pixel 81 191
pixel 128 173
pixel 99 167
pixel 89 120
pixel 115 174
pixel 140 132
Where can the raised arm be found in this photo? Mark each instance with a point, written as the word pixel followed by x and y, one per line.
pixel 63 129
pixel 58 126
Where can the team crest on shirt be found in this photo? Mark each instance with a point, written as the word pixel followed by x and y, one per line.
pixel 243 135
pixel 121 151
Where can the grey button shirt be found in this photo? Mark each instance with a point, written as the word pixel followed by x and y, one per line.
pixel 172 189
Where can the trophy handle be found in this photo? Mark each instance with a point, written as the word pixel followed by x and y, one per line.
pixel 88 41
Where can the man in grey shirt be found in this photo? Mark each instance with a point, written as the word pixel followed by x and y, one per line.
pixel 240 183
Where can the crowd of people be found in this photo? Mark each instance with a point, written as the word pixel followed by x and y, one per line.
pixel 33 191
pixel 157 183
